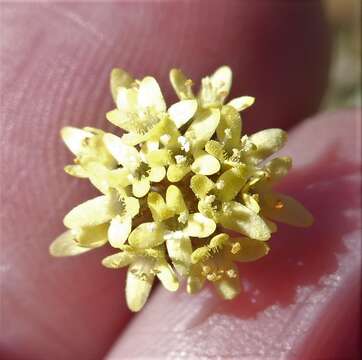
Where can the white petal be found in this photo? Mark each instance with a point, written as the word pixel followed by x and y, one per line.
pixel 179 250
pixel 176 172
pixel 182 112
pixel 132 206
pixel 267 142
pixel 74 137
pixel 116 261
pixel 139 283
pixel 200 226
pixel 205 164
pixel 150 95
pixel 119 78
pixel 278 168
pixel 201 185
pixel 93 212
pixel 127 100
pixel 119 230
pixel 228 131
pixel 65 245
pixel 147 235
pixel 241 219
pixel 203 127
pixel 241 103
pixel 76 170
pixel 133 138
pixel 166 275
pixel 157 173
pixel 175 200
pixel 141 187
pixel 91 236
pixel 125 155
pixel 289 211
pixel 195 281
pixel 222 79
pixel 230 183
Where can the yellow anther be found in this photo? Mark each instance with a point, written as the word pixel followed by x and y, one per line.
pixel 279 204
pixel 189 82
pixel 206 269
pixel 212 277
pixel 235 248
pixel 231 273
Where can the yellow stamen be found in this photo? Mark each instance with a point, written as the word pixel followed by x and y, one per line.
pixel 206 269
pixel 235 248
pixel 212 277
pixel 231 273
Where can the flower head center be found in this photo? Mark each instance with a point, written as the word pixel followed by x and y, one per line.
pixel 120 206
pixel 142 170
pixel 174 223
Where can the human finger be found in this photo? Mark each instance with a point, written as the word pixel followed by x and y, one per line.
pixel 302 300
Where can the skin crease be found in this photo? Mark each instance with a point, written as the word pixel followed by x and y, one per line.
pixel 55 64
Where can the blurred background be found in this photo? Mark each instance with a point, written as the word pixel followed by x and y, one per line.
pixel 344 88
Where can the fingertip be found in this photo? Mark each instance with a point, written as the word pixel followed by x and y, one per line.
pixel 300 300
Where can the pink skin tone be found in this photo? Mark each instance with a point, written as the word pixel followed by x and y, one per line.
pixel 301 301
pixel 55 65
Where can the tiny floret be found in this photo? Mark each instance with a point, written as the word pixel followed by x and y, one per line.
pixel 174 183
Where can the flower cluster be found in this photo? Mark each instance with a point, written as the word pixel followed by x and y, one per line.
pixel 184 195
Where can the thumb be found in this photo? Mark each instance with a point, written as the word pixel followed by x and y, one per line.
pixel 302 300
pixel 55 67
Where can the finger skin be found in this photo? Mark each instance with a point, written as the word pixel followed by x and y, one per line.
pixel 302 300
pixel 56 60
